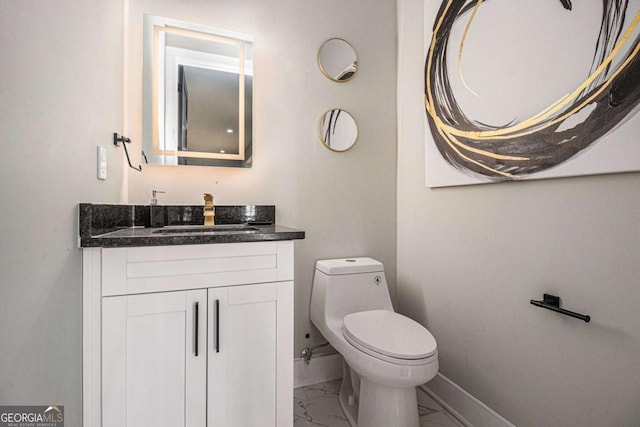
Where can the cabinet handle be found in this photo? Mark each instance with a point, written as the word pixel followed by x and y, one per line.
pixel 217 340
pixel 196 323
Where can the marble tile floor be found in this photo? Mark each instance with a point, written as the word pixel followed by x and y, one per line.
pixel 317 406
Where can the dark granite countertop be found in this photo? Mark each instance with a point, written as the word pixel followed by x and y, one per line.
pixel 123 226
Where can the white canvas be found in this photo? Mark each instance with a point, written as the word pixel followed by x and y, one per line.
pixel 517 59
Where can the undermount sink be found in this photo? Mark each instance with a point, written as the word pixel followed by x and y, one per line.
pixel 225 228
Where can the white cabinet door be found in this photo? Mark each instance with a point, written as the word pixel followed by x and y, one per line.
pixel 154 360
pixel 242 348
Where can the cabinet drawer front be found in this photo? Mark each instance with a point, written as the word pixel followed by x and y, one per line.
pixel 139 270
pixel 167 268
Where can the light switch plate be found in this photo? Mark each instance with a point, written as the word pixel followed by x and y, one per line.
pixel 102 163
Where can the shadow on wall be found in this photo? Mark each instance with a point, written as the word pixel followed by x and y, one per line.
pixel 410 301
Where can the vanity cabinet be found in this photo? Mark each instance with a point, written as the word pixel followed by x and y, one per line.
pixel 193 335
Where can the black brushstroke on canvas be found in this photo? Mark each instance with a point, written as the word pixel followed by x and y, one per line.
pixel 542 145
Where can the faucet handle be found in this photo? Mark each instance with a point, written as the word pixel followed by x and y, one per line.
pixel 208 197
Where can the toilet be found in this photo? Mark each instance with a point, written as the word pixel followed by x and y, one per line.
pixel 386 355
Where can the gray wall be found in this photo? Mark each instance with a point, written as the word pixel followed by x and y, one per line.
pixel 471 258
pixel 345 202
pixel 60 97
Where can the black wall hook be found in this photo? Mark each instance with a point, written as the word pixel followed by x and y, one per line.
pixel 552 302
pixel 125 141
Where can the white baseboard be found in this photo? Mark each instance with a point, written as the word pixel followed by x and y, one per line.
pixel 458 402
pixel 319 370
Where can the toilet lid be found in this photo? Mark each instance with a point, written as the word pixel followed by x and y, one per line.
pixel 389 333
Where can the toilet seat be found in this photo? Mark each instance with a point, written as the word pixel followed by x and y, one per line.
pixel 389 336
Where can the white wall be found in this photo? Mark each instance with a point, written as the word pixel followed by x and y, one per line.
pixel 60 97
pixel 471 258
pixel 344 201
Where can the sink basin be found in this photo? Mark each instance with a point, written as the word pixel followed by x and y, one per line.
pixel 218 229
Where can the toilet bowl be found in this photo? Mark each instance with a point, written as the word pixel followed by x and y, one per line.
pixel 386 355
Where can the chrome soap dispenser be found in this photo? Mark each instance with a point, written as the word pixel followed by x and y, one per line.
pixel 154 214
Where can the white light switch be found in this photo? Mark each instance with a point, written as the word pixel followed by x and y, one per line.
pixel 102 163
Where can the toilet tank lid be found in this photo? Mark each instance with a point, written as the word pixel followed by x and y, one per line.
pixel 349 266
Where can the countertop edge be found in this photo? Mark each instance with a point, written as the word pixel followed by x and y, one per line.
pixel 110 242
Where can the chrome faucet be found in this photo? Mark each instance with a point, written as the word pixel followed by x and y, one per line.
pixel 209 212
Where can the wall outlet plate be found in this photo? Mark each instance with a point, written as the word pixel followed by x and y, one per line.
pixel 102 163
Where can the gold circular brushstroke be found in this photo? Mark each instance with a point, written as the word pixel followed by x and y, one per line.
pixel 482 143
pixel 464 37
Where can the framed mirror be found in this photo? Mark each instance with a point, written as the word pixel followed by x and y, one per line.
pixel 197 94
pixel 337 130
pixel 337 60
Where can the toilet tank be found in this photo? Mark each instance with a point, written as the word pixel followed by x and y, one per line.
pixel 347 285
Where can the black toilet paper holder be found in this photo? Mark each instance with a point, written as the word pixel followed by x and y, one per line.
pixel 552 302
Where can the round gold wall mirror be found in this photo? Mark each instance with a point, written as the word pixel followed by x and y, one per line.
pixel 337 130
pixel 337 60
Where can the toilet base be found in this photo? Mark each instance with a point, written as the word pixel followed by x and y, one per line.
pixel 382 406
pixel 375 405
pixel 349 394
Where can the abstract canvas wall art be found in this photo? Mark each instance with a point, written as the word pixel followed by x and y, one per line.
pixel 530 89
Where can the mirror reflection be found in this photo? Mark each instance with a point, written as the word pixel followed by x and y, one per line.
pixel 337 130
pixel 337 60
pixel 197 91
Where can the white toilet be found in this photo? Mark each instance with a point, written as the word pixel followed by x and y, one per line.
pixel 386 354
